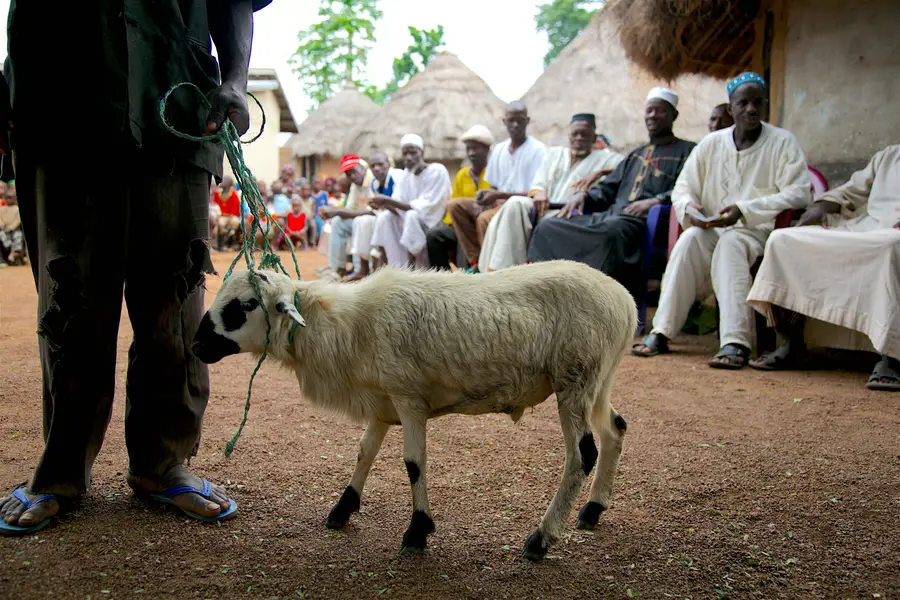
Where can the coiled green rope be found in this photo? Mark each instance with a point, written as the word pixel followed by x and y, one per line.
pixel 228 136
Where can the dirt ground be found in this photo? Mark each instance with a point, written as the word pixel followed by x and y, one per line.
pixel 732 485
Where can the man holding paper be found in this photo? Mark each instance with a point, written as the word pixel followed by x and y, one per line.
pixel 727 197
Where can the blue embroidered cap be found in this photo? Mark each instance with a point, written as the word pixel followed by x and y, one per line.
pixel 741 80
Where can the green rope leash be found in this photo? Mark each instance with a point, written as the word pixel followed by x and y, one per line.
pixel 228 136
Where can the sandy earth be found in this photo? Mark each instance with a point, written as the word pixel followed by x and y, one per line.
pixel 732 485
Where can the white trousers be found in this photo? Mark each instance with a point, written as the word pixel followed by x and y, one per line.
pixel 361 240
pixel 401 234
pixel 506 240
pixel 721 257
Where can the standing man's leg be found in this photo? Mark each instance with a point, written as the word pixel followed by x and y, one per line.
pixel 76 239
pixel 167 386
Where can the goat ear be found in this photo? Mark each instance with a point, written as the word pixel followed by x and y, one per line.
pixel 286 307
pixel 260 275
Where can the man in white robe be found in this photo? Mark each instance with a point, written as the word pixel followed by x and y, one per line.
pixel 418 203
pixel 563 172
pixel 732 187
pixel 512 166
pixel 837 285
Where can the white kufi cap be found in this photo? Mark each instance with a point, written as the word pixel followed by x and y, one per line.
pixel 664 94
pixel 412 139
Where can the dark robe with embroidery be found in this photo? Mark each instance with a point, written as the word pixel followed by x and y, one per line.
pixel 604 237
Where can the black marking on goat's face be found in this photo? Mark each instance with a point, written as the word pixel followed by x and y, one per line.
pixel 588 450
pixel 234 314
pixel 620 423
pixel 210 346
pixel 412 469
pixel 261 276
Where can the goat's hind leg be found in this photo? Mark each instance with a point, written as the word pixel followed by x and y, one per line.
pixel 581 454
pixel 610 428
pixel 416 535
pixel 369 445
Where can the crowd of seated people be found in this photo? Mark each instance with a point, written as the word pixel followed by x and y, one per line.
pixel 519 201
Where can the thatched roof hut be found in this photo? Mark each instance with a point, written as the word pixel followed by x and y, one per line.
pixel 593 75
pixel 439 103
pixel 832 79
pixel 320 137
pixel 669 38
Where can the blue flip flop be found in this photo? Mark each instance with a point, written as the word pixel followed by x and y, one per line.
pixel 167 495
pixel 19 494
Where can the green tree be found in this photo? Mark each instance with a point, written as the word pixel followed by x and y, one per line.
pixel 563 20
pixel 335 50
pixel 426 44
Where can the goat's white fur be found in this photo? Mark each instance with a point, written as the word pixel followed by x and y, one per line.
pixel 401 347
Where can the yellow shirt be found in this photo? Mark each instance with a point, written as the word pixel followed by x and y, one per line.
pixel 464 187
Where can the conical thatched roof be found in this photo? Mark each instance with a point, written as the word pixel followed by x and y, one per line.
pixel 439 103
pixel 593 75
pixel 325 128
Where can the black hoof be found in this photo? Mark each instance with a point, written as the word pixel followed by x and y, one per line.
pixel 346 506
pixel 589 515
pixel 535 546
pixel 416 537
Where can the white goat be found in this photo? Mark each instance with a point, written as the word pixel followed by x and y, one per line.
pixel 402 347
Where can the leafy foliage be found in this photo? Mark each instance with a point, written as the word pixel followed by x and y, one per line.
pixel 335 50
pixel 563 20
pixel 426 44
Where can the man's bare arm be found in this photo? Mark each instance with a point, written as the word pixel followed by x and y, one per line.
pixel 231 28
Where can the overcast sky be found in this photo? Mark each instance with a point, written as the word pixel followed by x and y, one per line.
pixel 495 38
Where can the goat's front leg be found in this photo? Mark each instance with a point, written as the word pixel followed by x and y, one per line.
pixel 414 540
pixel 369 445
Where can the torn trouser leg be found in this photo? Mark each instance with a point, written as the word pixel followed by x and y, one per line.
pixel 167 387
pixel 76 237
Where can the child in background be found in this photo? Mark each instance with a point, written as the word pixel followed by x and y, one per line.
pixel 12 237
pixel 297 225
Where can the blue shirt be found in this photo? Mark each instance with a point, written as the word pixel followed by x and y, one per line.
pixel 387 189
pixel 281 205
pixel 321 200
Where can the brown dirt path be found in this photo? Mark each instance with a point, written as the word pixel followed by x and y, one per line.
pixel 732 485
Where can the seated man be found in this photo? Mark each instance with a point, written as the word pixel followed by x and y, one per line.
pixel 418 204
pixel 441 240
pixel 512 166
pixel 357 205
pixel 506 240
pixel 743 177
pixel 610 234
pixel 720 118
pixel 12 237
pixel 230 222
pixel 843 282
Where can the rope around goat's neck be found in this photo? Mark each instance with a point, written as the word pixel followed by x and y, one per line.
pixel 228 136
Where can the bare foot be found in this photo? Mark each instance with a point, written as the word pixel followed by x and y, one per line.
pixel 13 512
pixel 218 499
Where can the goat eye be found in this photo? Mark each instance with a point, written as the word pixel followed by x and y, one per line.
pixel 250 304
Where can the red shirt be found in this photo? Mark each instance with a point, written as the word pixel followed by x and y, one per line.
pixel 231 206
pixel 296 224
